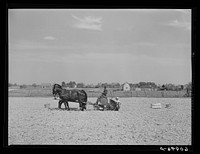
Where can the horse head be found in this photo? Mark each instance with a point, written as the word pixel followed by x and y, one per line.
pixel 57 89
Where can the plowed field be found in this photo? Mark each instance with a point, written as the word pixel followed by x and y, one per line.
pixel 136 123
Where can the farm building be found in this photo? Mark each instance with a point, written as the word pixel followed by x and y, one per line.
pixel 137 89
pixel 46 85
pixel 126 87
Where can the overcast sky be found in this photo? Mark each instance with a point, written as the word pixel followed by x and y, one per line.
pixel 92 46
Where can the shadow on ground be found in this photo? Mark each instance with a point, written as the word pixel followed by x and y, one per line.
pixel 70 109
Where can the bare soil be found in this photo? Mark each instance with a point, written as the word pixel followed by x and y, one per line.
pixel 136 123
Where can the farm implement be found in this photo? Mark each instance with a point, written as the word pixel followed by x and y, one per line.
pixel 80 96
pixel 103 104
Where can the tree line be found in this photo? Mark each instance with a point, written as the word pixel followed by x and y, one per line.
pixel 73 84
pixel 168 86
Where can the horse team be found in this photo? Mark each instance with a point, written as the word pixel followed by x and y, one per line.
pixel 80 96
pixel 74 95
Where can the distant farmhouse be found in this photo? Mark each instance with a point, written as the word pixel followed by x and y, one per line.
pixel 126 87
pixel 46 85
pixel 138 89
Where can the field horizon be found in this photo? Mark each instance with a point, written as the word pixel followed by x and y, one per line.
pixel 96 92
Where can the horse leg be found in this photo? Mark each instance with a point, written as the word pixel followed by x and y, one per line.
pixel 81 105
pixel 67 105
pixel 85 106
pixel 59 104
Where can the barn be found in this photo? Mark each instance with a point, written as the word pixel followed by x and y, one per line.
pixel 126 87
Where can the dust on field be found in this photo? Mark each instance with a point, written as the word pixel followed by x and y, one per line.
pixel 136 123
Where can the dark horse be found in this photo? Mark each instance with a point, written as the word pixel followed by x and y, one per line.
pixel 54 91
pixel 73 95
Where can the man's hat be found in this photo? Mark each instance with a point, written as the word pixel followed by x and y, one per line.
pixel 116 99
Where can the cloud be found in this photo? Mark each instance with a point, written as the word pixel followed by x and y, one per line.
pixel 49 38
pixel 180 24
pixel 88 22
pixel 184 21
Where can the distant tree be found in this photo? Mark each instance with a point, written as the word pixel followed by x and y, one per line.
pixel 145 85
pixel 182 87
pixel 63 84
pixel 179 87
pixel 67 85
pixel 99 85
pixel 137 85
pixel 188 89
pixel 170 86
pixel 116 85
pixel 104 85
pixel 132 85
pixel 80 85
pixel 23 86
pixel 86 86
pixel 34 85
pixel 148 84
pixel 163 87
pixel 152 85
pixel 110 85
pixel 142 84
pixel 189 86
pixel 71 84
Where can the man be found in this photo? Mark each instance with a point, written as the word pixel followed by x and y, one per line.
pixel 105 91
pixel 103 95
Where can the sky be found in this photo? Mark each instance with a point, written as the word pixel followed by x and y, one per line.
pixel 99 45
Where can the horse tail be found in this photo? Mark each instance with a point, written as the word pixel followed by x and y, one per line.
pixel 85 98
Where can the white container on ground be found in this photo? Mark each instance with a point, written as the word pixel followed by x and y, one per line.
pixel 156 106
